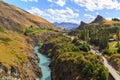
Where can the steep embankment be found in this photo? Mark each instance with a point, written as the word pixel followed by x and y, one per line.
pixel 19 32
pixel 16 19
pixel 17 58
pixel 71 60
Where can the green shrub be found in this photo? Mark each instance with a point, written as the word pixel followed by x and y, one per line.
pixel 95 70
pixel 29 31
pixel 118 49
pixel 5 40
pixel 1 29
pixel 84 47
pixel 108 52
pixel 103 72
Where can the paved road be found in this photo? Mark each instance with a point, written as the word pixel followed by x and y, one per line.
pixel 111 70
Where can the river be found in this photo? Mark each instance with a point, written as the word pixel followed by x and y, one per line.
pixel 44 64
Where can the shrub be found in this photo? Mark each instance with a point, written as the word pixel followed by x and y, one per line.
pixel 108 52
pixel 1 29
pixel 29 31
pixel 95 70
pixel 118 49
pixel 5 40
pixel 84 47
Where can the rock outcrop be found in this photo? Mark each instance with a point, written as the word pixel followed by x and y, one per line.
pixel 98 19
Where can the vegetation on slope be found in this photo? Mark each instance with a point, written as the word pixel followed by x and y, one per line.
pixel 99 32
pixel 104 35
pixel 15 54
pixel 72 60
pixel 33 31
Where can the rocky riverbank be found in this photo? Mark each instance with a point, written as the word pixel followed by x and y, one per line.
pixel 18 61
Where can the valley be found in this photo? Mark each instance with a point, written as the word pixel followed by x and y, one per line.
pixel 32 48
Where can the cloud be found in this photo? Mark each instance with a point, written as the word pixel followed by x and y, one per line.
pixel 109 18
pixel 58 2
pixel 30 0
pixel 56 15
pixel 50 0
pixel 89 16
pixel 36 11
pixel 97 13
pixel 92 5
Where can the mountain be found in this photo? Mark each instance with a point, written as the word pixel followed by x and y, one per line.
pixel 100 22
pixel 99 18
pixel 82 24
pixel 66 25
pixel 16 19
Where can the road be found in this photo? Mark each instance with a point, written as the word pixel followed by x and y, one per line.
pixel 111 70
pixel 72 37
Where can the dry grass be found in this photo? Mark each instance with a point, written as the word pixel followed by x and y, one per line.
pixel 14 51
pixel 18 18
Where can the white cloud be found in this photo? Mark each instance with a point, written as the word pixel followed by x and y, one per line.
pixel 30 0
pixel 50 0
pixel 109 18
pixel 89 16
pixel 36 11
pixel 56 15
pixel 61 2
pixel 92 5
pixel 97 13
pixel 58 2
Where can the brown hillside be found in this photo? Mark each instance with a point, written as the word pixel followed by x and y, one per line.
pixel 13 18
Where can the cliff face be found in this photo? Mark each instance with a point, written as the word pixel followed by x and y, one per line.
pixel 64 69
pixel 17 58
pixel 28 71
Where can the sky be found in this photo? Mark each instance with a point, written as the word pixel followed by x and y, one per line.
pixel 73 11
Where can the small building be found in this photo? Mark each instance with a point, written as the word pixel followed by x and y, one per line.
pixel 111 39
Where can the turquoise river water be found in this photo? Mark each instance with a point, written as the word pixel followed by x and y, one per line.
pixel 44 64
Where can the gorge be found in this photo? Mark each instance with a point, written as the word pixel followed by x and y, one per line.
pixel 44 64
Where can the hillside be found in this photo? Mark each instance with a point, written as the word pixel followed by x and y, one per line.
pixel 16 19
pixel 66 25
pixel 100 22
pixel 72 60
pixel 17 58
pixel 20 31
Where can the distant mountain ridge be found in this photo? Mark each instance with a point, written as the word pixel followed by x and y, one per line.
pixel 66 25
pixel 100 22
pixel 16 19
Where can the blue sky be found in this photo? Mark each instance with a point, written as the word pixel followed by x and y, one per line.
pixel 70 10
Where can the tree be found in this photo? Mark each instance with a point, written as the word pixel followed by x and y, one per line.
pixel 103 72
